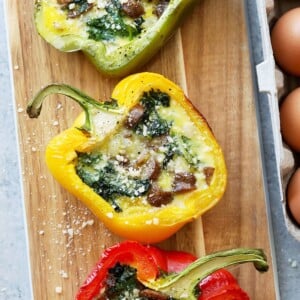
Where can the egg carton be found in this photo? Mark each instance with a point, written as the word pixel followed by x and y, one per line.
pixel 277 87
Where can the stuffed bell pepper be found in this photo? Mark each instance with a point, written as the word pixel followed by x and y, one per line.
pixel 145 161
pixel 130 270
pixel 117 35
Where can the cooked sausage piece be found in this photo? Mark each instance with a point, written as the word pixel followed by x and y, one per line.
pixel 153 295
pixel 152 169
pixel 208 173
pixel 157 142
pixel 184 182
pixel 158 197
pixel 134 116
pixel 133 8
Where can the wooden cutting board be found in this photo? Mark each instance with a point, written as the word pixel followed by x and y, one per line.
pixel 209 58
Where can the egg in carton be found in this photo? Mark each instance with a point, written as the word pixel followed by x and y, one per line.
pixel 284 85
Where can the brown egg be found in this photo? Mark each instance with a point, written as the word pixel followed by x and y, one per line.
pixel 290 119
pixel 293 196
pixel 285 38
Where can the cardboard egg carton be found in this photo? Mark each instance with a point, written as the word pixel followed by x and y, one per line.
pixel 277 85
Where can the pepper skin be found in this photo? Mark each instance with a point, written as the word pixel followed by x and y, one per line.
pixel 135 222
pixel 153 263
pixel 147 262
pixel 67 34
pixel 221 285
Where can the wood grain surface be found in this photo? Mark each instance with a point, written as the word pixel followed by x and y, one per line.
pixel 209 59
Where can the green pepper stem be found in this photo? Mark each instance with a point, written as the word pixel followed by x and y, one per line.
pixel 86 102
pixel 183 284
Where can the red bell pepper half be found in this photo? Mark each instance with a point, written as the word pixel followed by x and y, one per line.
pixel 151 262
pixel 146 260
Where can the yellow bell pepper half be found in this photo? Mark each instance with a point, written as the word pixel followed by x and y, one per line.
pixel 97 127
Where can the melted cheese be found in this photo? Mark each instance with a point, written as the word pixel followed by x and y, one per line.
pixel 123 145
pixel 55 20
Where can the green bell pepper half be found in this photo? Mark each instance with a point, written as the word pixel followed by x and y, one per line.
pixel 113 57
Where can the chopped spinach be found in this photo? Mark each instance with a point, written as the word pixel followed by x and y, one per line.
pixel 81 5
pixel 185 147
pixel 171 149
pixel 155 98
pixel 138 24
pixel 78 8
pixel 182 146
pixel 112 24
pixel 103 177
pixel 122 283
pixel 152 124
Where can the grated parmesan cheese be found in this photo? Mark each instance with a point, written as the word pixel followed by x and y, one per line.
pixel 58 290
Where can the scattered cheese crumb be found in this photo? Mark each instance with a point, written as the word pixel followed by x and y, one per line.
pixel 86 223
pixel 293 263
pixel 101 4
pixel 155 221
pixel 58 290
pixel 63 274
pixel 110 215
pixel 59 106
pixel 57 25
pixel 70 232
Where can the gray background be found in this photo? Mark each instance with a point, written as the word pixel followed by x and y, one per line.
pixel 14 270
